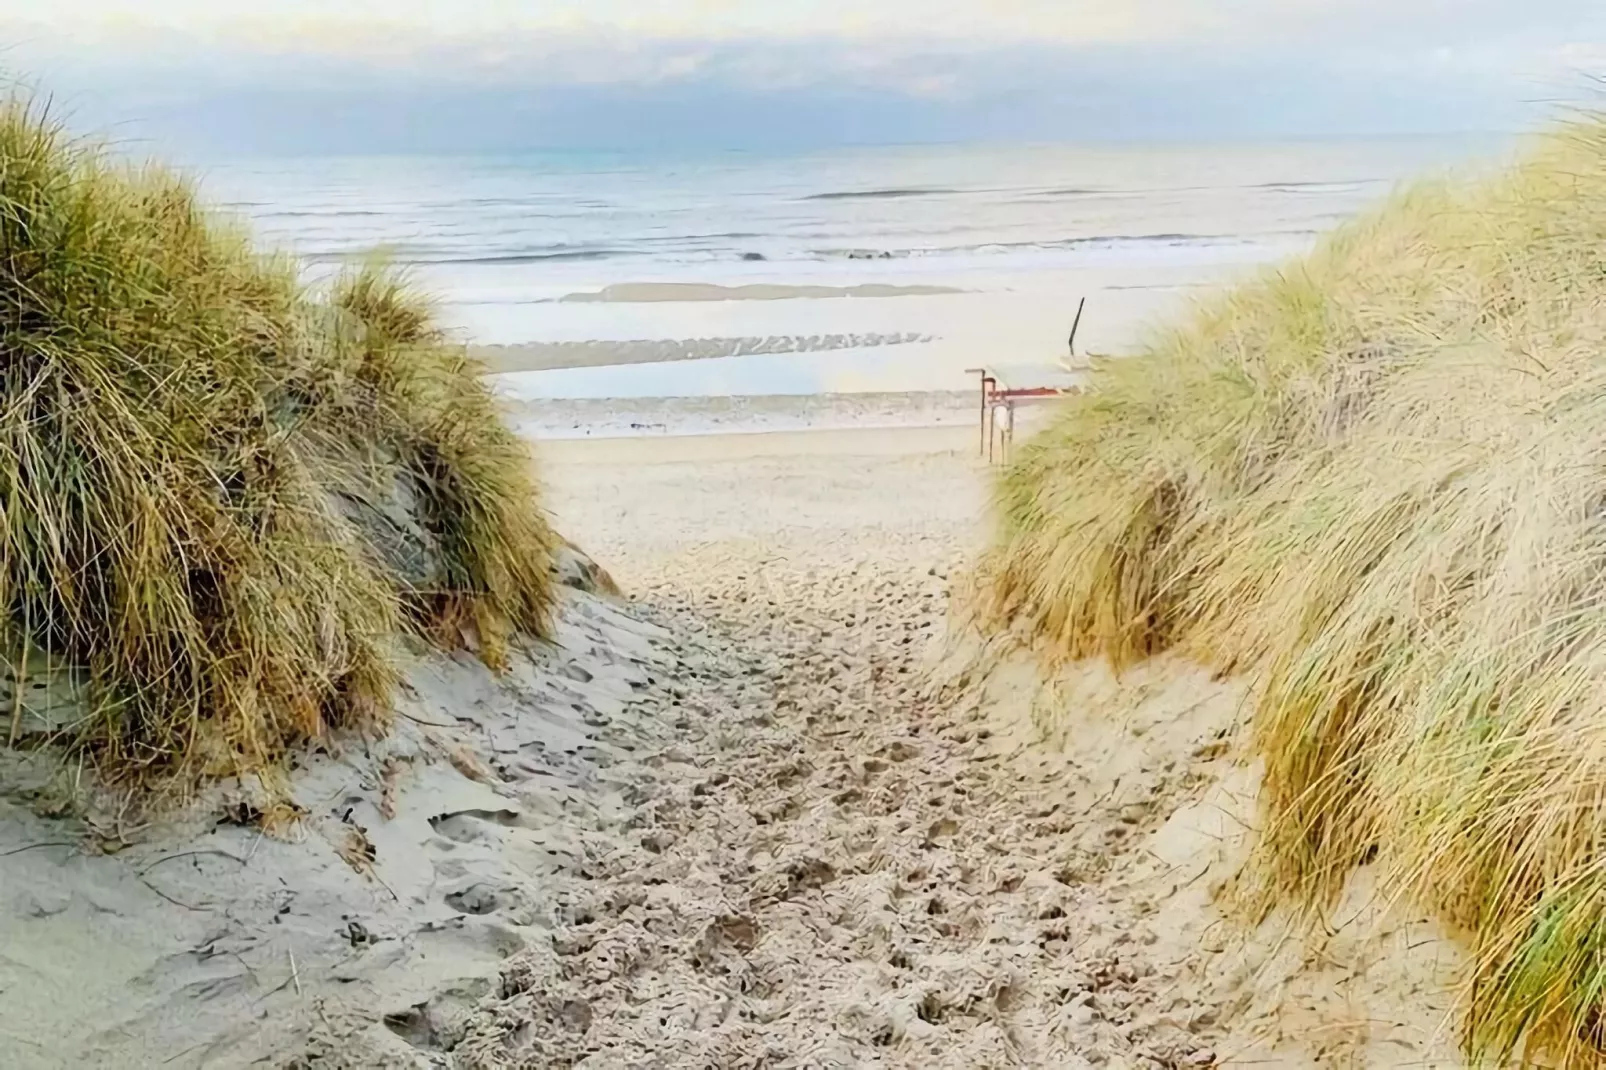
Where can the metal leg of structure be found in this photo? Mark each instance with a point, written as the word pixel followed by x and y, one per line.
pixel 987 383
pixel 982 451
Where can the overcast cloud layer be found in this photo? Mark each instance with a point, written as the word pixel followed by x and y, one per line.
pixel 364 76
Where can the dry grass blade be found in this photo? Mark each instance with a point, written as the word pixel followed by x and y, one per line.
pixel 183 431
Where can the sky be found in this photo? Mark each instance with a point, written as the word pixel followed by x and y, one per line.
pixel 318 76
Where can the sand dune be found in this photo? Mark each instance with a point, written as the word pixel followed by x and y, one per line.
pixel 446 799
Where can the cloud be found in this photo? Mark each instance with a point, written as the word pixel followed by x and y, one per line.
pixel 358 27
pixel 332 23
pixel 293 75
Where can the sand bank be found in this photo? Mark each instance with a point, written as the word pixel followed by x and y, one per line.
pixel 542 356
pixel 653 292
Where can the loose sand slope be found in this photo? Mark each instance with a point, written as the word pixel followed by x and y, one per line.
pixel 422 863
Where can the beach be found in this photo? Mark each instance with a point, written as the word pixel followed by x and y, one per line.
pixel 774 803
pixel 758 790
pixel 875 270
pixel 756 536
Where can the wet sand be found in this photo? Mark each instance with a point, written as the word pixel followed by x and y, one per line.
pixel 930 334
pixel 549 356
pixel 650 292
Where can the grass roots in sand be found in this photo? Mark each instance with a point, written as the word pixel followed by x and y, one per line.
pixel 1375 479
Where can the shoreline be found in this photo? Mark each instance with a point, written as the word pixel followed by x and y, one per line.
pixel 635 293
pixel 552 421
pixel 578 355
pixel 811 442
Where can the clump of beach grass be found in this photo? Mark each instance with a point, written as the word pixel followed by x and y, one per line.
pixel 185 431
pixel 1374 480
pixel 472 476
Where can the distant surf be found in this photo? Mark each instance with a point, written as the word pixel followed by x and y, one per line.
pixel 1092 241
pixel 982 247
pixel 878 194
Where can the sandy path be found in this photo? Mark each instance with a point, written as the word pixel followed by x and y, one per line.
pixel 831 869
pixel 852 857
pixel 744 822
pixel 827 873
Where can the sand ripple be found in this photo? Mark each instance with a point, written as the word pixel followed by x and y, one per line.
pixel 540 356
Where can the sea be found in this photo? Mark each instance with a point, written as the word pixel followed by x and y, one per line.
pixel 868 270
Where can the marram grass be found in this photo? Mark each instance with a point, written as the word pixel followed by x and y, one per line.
pixel 1375 481
pixel 184 428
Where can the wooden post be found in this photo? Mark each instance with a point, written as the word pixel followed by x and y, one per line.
pixel 985 437
pixel 988 384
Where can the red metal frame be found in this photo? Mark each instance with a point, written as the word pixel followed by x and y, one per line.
pixel 1030 392
pixel 992 397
